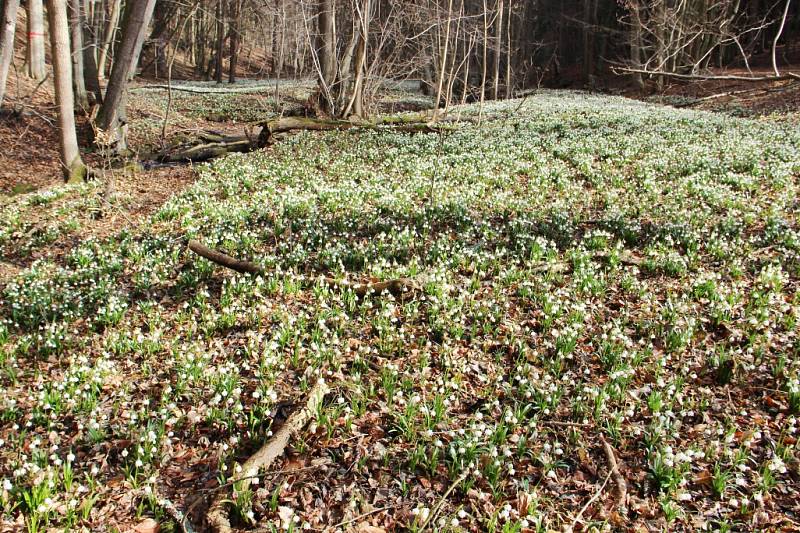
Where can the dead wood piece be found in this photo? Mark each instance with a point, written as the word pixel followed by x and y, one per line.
pixel 593 499
pixel 201 90
pixel 261 460
pixel 396 287
pixel 245 267
pixel 619 480
pixel 625 258
pixel 270 128
pixel 215 146
pixel 170 508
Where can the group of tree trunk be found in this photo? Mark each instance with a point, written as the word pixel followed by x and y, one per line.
pixel 454 50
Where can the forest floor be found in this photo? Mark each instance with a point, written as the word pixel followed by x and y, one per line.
pixel 597 281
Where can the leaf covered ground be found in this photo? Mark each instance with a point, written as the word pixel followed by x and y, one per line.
pixel 591 270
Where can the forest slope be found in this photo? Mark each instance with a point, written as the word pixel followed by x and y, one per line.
pixel 599 278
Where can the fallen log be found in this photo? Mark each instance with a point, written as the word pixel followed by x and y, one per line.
pixel 212 144
pixel 215 256
pixel 209 150
pixel 397 287
pixel 272 127
pixel 217 515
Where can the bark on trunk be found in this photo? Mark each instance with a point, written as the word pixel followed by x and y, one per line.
pixel 34 56
pixel 636 43
pixel 76 45
pixel 108 37
pixel 8 21
pixel 235 25
pixel 91 76
pixel 111 117
pixel 220 41
pixel 74 169
pixel 498 52
pixel 326 17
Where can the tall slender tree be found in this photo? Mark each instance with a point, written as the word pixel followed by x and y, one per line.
pixel 74 168
pixel 108 37
pixel 111 117
pixel 8 22
pixel 76 44
pixel 34 56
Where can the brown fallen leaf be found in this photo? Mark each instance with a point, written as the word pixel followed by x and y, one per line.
pixel 148 525
pixel 367 528
pixel 703 478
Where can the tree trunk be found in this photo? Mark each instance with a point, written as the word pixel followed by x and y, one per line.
pixel 636 42
pixel 141 37
pixel 509 85
pixel 326 19
pixel 235 25
pixel 356 105
pixel 220 40
pixel 111 117
pixel 485 59
pixel 498 53
pixel 661 46
pixel 76 43
pixel 34 57
pixel 442 67
pixel 588 41
pixel 108 37
pixel 91 76
pixel 74 169
pixel 8 22
pixel 281 45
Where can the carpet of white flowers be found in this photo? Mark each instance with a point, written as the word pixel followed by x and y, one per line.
pixel 591 269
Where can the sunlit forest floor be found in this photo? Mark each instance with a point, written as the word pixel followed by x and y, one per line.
pixel 598 282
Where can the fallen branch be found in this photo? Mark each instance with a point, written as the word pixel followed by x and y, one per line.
pixel 217 515
pixel 211 146
pixel 590 502
pixel 624 258
pixel 438 507
pixel 396 287
pixel 203 90
pixel 758 90
pixel 709 77
pixel 619 480
pixel 170 508
pixel 287 124
pixel 245 267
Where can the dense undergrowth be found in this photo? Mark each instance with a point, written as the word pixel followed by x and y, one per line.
pixel 590 266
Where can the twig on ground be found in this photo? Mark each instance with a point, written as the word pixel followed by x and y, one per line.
pixel 440 503
pixel 171 509
pixel 619 480
pixel 217 515
pixel 590 502
pixel 397 287
pixel 363 515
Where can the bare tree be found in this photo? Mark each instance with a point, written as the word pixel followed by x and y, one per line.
pixel 111 117
pixel 778 38
pixel 74 168
pixel 108 37
pixel 681 40
pixel 7 26
pixel 34 56
pixel 76 43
